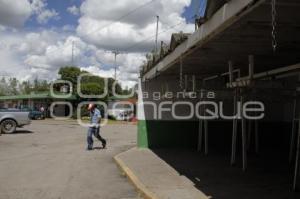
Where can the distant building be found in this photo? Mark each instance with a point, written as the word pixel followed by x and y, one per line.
pixel 121 109
pixel 35 101
pixel 64 89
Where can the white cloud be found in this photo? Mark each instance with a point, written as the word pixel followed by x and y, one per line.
pixel 107 11
pixel 129 82
pixel 37 42
pixel 2 28
pixel 98 71
pixel 58 54
pixel 24 54
pixel 41 53
pixel 135 33
pixel 14 14
pixel 102 64
pixel 43 15
pixel 37 5
pixel 46 15
pixel 69 28
pixel 73 10
pixel 99 23
pixel 10 66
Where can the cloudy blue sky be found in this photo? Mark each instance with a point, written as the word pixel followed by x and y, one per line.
pixel 36 36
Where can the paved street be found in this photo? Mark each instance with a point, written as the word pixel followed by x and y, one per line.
pixel 49 161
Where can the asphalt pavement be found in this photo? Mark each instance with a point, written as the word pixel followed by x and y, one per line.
pixel 48 160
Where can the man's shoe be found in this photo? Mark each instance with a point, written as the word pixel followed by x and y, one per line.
pixel 104 145
pixel 89 148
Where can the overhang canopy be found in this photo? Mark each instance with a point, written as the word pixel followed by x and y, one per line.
pixel 238 29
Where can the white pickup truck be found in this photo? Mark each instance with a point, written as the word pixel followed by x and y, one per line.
pixel 10 119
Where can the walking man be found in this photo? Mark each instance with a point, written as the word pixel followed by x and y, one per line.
pixel 94 128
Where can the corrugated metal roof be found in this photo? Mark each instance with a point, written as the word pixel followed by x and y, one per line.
pixel 176 39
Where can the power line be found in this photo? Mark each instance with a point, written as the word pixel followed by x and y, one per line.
pixel 203 7
pixel 116 20
pixel 124 16
pixel 197 6
pixel 124 51
pixel 150 37
pixel 128 14
pixel 134 45
pixel 165 23
pixel 146 39
pixel 139 43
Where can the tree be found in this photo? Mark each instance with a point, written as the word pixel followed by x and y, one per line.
pixel 90 85
pixel 13 86
pixel 44 85
pixel 70 73
pixel 38 86
pixel 25 87
pixel 3 87
pixel 92 88
pixel 118 88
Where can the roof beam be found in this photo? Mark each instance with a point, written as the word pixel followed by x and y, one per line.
pixel 222 19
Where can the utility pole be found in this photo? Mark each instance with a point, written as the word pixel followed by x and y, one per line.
pixel 116 53
pixel 72 53
pixel 156 36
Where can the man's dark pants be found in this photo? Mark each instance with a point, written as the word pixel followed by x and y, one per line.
pixel 96 132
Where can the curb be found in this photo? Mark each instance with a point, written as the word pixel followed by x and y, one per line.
pixel 141 188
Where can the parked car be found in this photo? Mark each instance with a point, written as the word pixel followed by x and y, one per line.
pixel 34 114
pixel 10 119
pixel 120 114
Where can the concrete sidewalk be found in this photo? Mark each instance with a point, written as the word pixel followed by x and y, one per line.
pixel 154 178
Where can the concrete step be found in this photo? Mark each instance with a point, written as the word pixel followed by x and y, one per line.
pixel 154 178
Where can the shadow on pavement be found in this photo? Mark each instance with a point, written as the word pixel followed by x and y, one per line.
pixel 269 174
pixel 21 132
pixel 98 148
pixel 267 177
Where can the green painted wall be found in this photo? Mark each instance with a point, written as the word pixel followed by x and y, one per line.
pixel 142 134
pixel 159 134
pixel 184 134
pixel 179 134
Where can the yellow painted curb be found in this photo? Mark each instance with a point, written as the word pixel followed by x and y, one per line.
pixel 141 188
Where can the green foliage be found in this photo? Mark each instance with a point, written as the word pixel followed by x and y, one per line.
pixel 70 73
pixel 36 86
pixel 26 87
pixel 40 86
pixel 3 86
pixel 12 86
pixel 84 113
pixel 92 88
pixel 90 85
pixel 117 87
